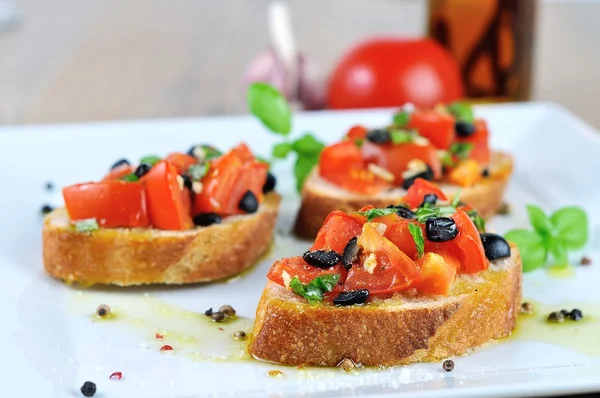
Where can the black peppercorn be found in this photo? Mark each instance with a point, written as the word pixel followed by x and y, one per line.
pixel 576 315
pixel 448 365
pixel 208 312
pixel 88 389
pixel 46 209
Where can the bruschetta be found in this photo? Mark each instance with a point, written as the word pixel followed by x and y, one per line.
pixel 376 166
pixel 389 286
pixel 190 217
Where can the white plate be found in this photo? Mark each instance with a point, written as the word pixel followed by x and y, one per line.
pixel 52 345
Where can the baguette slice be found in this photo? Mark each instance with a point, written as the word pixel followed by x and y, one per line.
pixel 320 197
pixel 399 330
pixel 125 257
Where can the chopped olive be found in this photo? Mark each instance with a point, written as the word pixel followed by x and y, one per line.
pixel 208 312
pixel 448 365
pixel 405 212
pixel 351 298
pixel 187 181
pixel 46 209
pixel 248 203
pixel 103 310
pixel 270 183
pixel 495 246
pixel 322 258
pixel 206 219
pixel 379 136
pixel 142 169
pixel 429 199
pixel 440 229
pixel 240 335
pixel 485 173
pixel 350 253
pixel 227 310
pixel 464 129
pixel 88 389
pixel 119 163
pixel 217 317
pixel 556 317
pixel 576 315
pixel 426 175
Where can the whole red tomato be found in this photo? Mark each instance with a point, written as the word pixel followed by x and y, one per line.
pixel 391 72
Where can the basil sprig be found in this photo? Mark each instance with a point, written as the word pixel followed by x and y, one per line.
pixel 462 111
pixel 417 235
pixel 314 290
pixel 374 213
pixel 566 229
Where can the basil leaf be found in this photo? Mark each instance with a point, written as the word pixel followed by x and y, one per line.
pixel 558 250
pixel 308 145
pixel 462 111
pixel 423 213
pixel 456 198
pixel 531 246
pixel 461 149
pixel 571 226
pixel 401 136
pixel 281 150
pixel 401 119
pixel 477 220
pixel 271 107
pixel 313 291
pixel 150 159
pixel 326 282
pixel 446 158
pixel 417 235
pixel 298 287
pixel 210 152
pixel 87 225
pixel 359 142
pixel 538 219
pixel 130 178
pixel 374 213
pixel 303 167
pixel 197 171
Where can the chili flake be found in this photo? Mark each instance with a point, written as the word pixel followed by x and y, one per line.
pixel 159 336
pixel 116 375
pixel 166 347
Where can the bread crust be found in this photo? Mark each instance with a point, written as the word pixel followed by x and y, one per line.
pixel 485 196
pixel 396 331
pixel 128 257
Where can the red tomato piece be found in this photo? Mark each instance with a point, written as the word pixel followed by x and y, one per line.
pixel 392 270
pixel 343 165
pixel 437 274
pixel 357 133
pixel 166 205
pixel 297 267
pixel 480 140
pixel 435 126
pixel 243 152
pixel 336 231
pixel 400 235
pixel 395 157
pixel 218 184
pixel 182 161
pixel 252 178
pixel 112 203
pixel 418 190
pixel 119 172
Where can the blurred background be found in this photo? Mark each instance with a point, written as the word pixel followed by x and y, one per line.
pixel 69 60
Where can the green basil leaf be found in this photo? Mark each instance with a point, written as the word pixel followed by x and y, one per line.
pixel 558 250
pixel 303 167
pixel 538 219
pixel 462 111
pixel 401 136
pixel 477 220
pixel 150 159
pixel 281 150
pixel 87 225
pixel 456 198
pixel 423 213
pixel 308 145
pixel 130 178
pixel 374 213
pixel 417 235
pixel 461 149
pixel 298 287
pixel 446 158
pixel 313 291
pixel 359 142
pixel 401 119
pixel 209 152
pixel 571 226
pixel 197 171
pixel 326 282
pixel 531 246
pixel 270 107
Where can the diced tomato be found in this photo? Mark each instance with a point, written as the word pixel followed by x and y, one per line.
pixel 466 173
pixel 480 140
pixel 437 274
pixel 344 166
pixel 166 205
pixel 388 219
pixel 391 270
pixel 435 126
pixel 186 198
pixel 112 203
pixel 119 172
pixel 336 231
pixel 243 152
pixel 357 133
pixel 465 247
pixel 400 235
pixel 218 184
pixel 296 266
pixel 252 178
pixel 420 188
pixel 396 157
pixel 182 161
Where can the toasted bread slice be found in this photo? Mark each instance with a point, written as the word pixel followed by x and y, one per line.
pixel 126 257
pixel 320 197
pixel 399 330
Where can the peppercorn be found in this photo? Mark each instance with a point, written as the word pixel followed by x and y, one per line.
pixel 504 209
pixel 346 364
pixel 565 313
pixel 218 317
pixel 208 312
pixel 49 186
pixel 102 310
pixel 46 209
pixel 88 389
pixel 556 317
pixel 586 261
pixel 240 335
pixel 527 308
pixel 576 315
pixel 227 310
pixel 448 365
